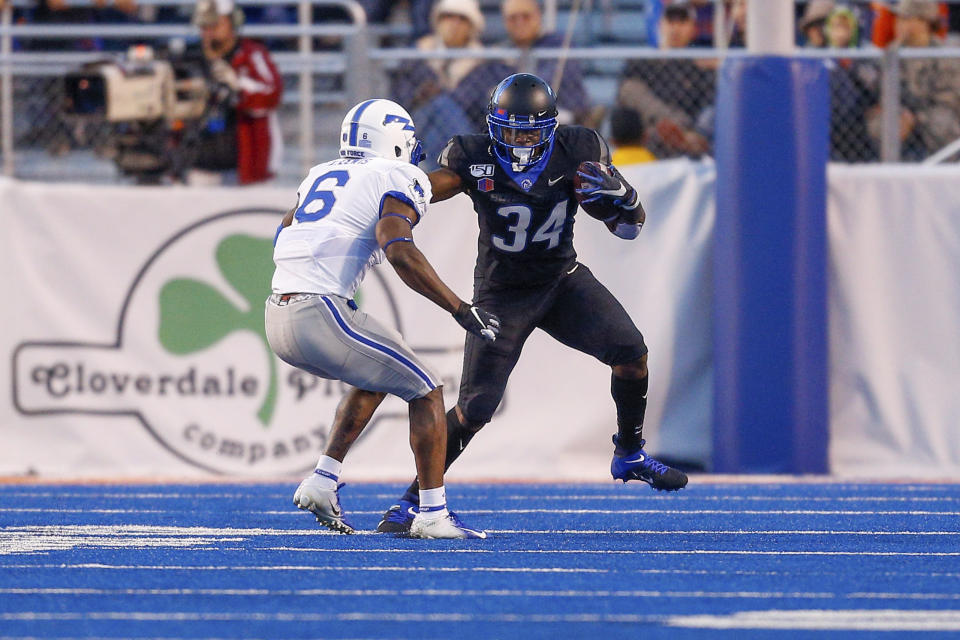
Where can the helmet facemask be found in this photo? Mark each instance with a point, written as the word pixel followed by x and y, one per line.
pixel 416 153
pixel 522 119
pixel 518 141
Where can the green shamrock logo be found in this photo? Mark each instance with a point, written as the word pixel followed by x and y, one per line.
pixel 195 316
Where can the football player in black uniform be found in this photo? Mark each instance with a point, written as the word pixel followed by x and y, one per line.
pixel 521 181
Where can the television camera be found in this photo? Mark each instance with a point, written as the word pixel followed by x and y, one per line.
pixel 156 108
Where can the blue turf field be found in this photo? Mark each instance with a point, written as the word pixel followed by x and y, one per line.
pixel 717 560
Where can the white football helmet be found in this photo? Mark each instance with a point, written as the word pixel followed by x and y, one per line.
pixel 381 128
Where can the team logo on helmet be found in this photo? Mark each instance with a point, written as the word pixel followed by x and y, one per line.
pixel 382 128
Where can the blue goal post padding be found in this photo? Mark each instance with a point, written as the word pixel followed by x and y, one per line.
pixel 770 267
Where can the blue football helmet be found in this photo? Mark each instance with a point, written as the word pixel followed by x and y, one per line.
pixel 522 119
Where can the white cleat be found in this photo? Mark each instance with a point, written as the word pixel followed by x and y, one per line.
pixel 447 527
pixel 323 503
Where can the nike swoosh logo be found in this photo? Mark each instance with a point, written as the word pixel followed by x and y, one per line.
pixel 640 458
pixel 574 268
pixel 554 181
pixel 411 512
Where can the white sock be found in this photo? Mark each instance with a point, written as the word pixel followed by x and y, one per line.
pixel 328 472
pixel 433 503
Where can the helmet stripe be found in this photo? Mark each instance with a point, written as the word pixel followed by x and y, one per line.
pixel 356 121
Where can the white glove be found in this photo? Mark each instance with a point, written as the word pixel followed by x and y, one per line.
pixel 223 73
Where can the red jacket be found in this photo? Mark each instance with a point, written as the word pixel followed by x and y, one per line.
pixel 259 145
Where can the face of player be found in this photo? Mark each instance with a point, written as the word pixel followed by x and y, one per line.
pixel 522 137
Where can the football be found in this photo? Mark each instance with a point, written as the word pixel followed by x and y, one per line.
pixel 601 209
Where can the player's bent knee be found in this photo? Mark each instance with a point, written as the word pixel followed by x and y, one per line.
pixel 636 368
pixel 474 426
pixel 475 416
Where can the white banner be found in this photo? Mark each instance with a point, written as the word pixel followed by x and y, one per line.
pixel 133 332
pixel 894 311
pixel 133 325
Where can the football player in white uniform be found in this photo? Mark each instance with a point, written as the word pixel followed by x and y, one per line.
pixel 350 214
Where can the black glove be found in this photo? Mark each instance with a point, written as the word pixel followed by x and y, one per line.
pixel 477 321
pixel 601 184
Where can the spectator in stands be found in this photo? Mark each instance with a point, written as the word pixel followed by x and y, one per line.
pixel 523 20
pixel 842 29
pixel 738 23
pixel 703 11
pixel 952 37
pixel 66 12
pixel 47 125
pixel 930 87
pixel 242 136
pixel 812 23
pixel 378 12
pixel 853 88
pixel 626 137
pixel 674 95
pixel 883 21
pixel 447 96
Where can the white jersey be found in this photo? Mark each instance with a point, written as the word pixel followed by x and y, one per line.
pixel 332 241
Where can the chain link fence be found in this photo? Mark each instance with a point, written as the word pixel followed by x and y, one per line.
pixel 673 95
pixel 50 144
pixel 885 105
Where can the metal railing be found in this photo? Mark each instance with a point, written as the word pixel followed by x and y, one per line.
pixel 302 64
pixel 323 83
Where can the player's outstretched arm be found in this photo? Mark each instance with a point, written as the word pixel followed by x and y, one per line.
pixel 444 183
pixel 395 236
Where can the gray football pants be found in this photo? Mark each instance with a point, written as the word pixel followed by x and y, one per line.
pixel 322 335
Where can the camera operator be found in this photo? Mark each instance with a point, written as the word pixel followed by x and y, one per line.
pixel 242 133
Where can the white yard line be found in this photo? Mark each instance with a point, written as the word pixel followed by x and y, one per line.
pixel 825 620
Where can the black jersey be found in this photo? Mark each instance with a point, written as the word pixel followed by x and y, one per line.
pixel 525 218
